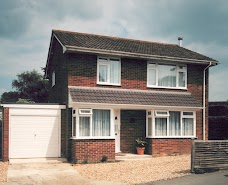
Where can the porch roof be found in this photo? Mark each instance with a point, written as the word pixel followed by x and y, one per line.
pixel 132 97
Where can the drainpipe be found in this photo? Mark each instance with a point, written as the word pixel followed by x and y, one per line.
pixel 204 101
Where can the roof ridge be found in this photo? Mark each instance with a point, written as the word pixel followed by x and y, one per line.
pixel 115 37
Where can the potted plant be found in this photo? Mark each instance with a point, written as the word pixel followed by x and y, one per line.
pixel 140 145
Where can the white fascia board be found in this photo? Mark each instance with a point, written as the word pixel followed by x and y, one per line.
pixel 34 106
pixel 137 55
pixel 132 106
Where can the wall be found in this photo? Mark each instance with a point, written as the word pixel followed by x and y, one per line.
pixel 132 127
pixel 170 146
pixel 92 150
pixel 59 92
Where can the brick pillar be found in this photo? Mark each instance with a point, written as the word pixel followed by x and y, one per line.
pixel 6 134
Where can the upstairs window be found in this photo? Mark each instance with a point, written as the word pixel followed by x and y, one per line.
pixel 166 75
pixel 108 71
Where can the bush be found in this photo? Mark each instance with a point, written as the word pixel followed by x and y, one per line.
pixel 104 158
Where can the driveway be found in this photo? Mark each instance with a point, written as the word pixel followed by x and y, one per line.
pixel 60 173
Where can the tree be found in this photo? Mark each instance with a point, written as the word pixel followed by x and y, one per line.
pixel 29 85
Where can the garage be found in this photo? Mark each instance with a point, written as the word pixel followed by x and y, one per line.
pixel 34 131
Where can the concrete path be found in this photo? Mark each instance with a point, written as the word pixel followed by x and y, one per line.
pixel 46 174
pixel 215 178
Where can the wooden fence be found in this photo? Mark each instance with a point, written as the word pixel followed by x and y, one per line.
pixel 212 154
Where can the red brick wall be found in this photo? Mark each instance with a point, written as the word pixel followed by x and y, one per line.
pixel 132 127
pixel 93 150
pixel 6 134
pixel 171 146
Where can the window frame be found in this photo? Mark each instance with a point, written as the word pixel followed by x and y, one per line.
pixel 178 70
pixel 182 116
pixel 75 113
pixel 108 64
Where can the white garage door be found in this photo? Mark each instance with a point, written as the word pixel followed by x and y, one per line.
pixel 34 136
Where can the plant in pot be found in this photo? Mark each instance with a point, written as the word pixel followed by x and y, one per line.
pixel 140 145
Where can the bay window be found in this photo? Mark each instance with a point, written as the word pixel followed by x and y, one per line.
pixel 91 123
pixel 166 75
pixel 170 124
pixel 108 71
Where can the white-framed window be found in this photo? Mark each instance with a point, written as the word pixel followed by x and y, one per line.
pixel 53 78
pixel 169 124
pixel 108 71
pixel 166 75
pixel 92 123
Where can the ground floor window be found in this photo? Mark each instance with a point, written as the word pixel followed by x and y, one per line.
pixel 91 123
pixel 162 123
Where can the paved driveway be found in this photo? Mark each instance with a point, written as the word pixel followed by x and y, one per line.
pixel 60 173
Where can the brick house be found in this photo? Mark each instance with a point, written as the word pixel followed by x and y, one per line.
pixel 119 89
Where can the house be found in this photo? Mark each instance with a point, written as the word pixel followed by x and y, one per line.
pixel 119 89
pixel 218 120
pixel 114 91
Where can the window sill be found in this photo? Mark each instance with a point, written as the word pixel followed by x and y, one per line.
pixel 172 137
pixel 160 87
pixel 108 84
pixel 88 138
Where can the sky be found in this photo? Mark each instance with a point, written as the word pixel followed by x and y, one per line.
pixel 26 25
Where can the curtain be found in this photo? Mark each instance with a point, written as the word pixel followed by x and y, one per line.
pixel 174 123
pixel 84 126
pixel 149 127
pixel 161 126
pixel 187 127
pixel 152 76
pixel 103 73
pixel 101 122
pixel 114 71
pixel 181 79
pixel 167 75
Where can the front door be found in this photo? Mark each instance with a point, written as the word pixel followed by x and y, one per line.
pixel 117 130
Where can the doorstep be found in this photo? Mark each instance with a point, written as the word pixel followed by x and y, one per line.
pixel 129 156
pixel 38 160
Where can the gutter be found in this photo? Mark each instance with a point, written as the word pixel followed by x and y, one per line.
pixel 204 101
pixel 136 55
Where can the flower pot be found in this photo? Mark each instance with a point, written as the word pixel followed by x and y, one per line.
pixel 140 150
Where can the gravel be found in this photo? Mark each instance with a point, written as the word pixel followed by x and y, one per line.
pixel 3 171
pixel 137 172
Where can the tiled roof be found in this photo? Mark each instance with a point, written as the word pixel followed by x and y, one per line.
pixel 132 97
pixel 124 45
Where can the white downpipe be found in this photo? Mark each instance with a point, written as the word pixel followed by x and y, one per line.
pixel 204 101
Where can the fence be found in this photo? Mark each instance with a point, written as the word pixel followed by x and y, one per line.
pixel 212 154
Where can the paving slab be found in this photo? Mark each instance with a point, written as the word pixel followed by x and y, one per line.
pixel 48 173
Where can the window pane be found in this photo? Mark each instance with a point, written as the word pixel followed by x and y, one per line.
pixel 187 127
pixel 149 127
pixel 167 75
pixel 188 113
pixel 103 73
pixel 74 126
pixel 84 126
pixel 115 72
pixel 174 123
pixel 181 79
pixel 151 65
pixel 152 76
pixel 101 122
pixel 161 126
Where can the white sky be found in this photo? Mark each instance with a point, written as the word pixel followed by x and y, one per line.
pixel 25 30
